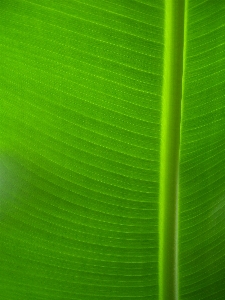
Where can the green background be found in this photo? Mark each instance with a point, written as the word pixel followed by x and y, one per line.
pixel 80 120
pixel 202 155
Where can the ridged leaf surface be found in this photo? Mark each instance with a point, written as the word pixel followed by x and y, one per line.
pixel 80 137
pixel 202 156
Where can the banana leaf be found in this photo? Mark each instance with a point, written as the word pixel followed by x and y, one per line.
pixel 112 149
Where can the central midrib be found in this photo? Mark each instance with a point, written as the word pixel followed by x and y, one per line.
pixel 169 153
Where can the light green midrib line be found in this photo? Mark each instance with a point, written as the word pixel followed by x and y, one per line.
pixel 169 152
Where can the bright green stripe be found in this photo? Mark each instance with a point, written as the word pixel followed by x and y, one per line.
pixel 170 140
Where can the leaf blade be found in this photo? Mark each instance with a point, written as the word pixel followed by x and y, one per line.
pixel 81 96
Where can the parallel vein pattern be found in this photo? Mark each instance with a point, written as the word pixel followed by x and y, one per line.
pixel 79 145
pixel 202 171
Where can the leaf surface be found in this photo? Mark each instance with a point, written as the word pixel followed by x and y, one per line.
pixel 80 140
pixel 202 167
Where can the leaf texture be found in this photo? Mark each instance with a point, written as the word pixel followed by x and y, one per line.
pixel 80 135
pixel 202 158
pixel 80 132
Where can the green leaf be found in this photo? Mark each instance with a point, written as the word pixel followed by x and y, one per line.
pixel 202 156
pixel 112 165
